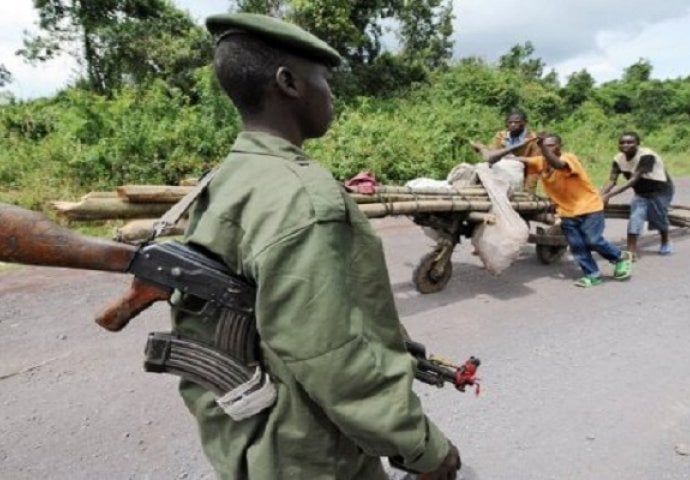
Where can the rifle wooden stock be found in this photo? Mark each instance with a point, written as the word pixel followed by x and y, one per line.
pixel 140 296
pixel 31 238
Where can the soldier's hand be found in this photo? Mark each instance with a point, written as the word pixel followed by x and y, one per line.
pixel 448 469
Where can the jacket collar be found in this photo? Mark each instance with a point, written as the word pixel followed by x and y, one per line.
pixel 260 143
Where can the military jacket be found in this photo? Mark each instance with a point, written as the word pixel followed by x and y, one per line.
pixel 329 330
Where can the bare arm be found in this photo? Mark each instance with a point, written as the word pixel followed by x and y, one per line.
pixel 493 156
pixel 612 181
pixel 552 159
pixel 613 190
pixel 645 165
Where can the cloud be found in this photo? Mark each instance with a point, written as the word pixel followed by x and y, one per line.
pixel 660 43
pixel 29 81
pixel 602 36
pixel 572 34
pixel 47 78
pixel 200 9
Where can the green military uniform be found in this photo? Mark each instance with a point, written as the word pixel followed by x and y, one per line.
pixel 330 336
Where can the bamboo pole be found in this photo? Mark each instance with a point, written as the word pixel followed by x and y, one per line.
pixel 401 197
pixel 469 191
pixel 98 194
pixel 142 229
pixel 153 193
pixel 107 208
pixel 377 210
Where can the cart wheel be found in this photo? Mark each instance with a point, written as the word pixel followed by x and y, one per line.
pixel 548 254
pixel 426 279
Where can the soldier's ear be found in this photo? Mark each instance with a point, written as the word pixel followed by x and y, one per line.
pixel 287 82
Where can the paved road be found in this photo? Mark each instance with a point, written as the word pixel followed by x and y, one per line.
pixel 577 384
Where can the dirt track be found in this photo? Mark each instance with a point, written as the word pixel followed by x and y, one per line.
pixel 578 384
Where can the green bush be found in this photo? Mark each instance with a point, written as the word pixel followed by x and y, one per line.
pixel 78 141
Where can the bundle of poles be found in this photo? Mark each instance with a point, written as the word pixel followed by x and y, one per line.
pixel 141 205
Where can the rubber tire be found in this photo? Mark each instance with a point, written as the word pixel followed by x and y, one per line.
pixel 421 275
pixel 548 254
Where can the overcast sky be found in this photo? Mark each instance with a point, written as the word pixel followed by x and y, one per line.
pixel 603 36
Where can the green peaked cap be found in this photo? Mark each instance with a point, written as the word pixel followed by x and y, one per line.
pixel 276 32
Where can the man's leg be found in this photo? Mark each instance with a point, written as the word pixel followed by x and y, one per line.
pixel 638 216
pixel 578 246
pixel 657 216
pixel 593 229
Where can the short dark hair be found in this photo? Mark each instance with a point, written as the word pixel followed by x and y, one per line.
pixel 517 112
pixel 555 136
pixel 245 66
pixel 630 133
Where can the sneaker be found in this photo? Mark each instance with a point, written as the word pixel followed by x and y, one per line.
pixel 589 281
pixel 665 249
pixel 623 268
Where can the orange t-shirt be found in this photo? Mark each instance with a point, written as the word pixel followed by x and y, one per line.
pixel 569 188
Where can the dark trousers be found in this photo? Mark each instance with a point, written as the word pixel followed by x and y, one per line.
pixel 585 234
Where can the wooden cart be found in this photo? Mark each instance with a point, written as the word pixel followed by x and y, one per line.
pixel 453 215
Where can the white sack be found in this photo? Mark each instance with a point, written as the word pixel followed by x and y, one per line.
pixel 499 244
pixel 512 171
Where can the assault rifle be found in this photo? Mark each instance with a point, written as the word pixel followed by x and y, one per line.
pixel 31 238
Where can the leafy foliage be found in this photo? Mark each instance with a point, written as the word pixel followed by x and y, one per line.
pixel 357 29
pixel 520 60
pixel 119 42
pixel 148 112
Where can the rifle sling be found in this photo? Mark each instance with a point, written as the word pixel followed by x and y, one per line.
pixel 175 213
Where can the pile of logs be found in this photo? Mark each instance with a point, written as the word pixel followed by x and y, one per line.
pixel 142 204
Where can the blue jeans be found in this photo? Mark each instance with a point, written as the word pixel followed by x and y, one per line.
pixel 585 233
pixel 649 209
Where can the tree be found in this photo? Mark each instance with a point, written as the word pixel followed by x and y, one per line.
pixel 519 58
pixel 5 76
pixel 119 41
pixel 638 72
pixel 578 89
pixel 355 28
pixel 551 79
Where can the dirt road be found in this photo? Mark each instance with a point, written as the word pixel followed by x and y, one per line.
pixel 577 384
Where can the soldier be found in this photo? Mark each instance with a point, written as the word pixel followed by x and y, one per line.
pixel 330 337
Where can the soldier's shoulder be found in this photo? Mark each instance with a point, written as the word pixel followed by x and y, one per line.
pixel 324 193
pixel 302 185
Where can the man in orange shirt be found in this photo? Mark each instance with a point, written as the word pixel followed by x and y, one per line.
pixel 580 207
